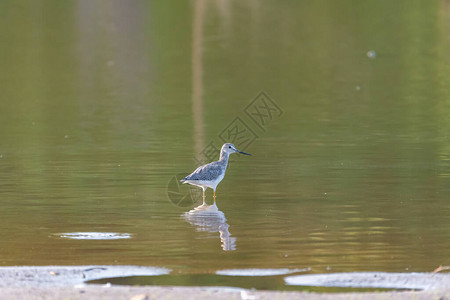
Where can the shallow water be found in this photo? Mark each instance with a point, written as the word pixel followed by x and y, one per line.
pixel 105 105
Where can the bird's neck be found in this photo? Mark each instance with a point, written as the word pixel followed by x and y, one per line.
pixel 224 156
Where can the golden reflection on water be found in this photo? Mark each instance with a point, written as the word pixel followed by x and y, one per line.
pixel 197 75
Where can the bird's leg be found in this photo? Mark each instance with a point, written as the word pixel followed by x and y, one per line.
pixel 204 201
pixel 214 196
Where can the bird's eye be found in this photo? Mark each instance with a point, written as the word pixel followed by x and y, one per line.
pixel 229 147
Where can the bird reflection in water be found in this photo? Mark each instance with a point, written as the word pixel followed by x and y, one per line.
pixel 210 219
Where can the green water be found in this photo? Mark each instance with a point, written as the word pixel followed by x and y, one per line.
pixel 104 103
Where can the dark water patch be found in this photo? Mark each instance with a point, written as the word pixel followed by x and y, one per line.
pixel 275 283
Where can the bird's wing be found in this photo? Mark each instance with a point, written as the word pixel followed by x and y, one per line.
pixel 206 172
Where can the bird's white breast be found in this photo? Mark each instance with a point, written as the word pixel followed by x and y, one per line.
pixel 213 183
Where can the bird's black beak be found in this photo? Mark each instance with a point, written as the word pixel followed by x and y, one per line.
pixel 242 152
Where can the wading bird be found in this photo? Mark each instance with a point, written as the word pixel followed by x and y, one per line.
pixel 210 175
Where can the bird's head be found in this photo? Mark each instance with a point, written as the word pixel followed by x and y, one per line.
pixel 230 148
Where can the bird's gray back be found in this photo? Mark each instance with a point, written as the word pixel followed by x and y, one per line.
pixel 207 172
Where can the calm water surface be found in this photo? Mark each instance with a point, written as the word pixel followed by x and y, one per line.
pixel 103 104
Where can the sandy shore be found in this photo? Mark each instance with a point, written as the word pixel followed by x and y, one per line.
pixel 145 293
pixel 68 282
